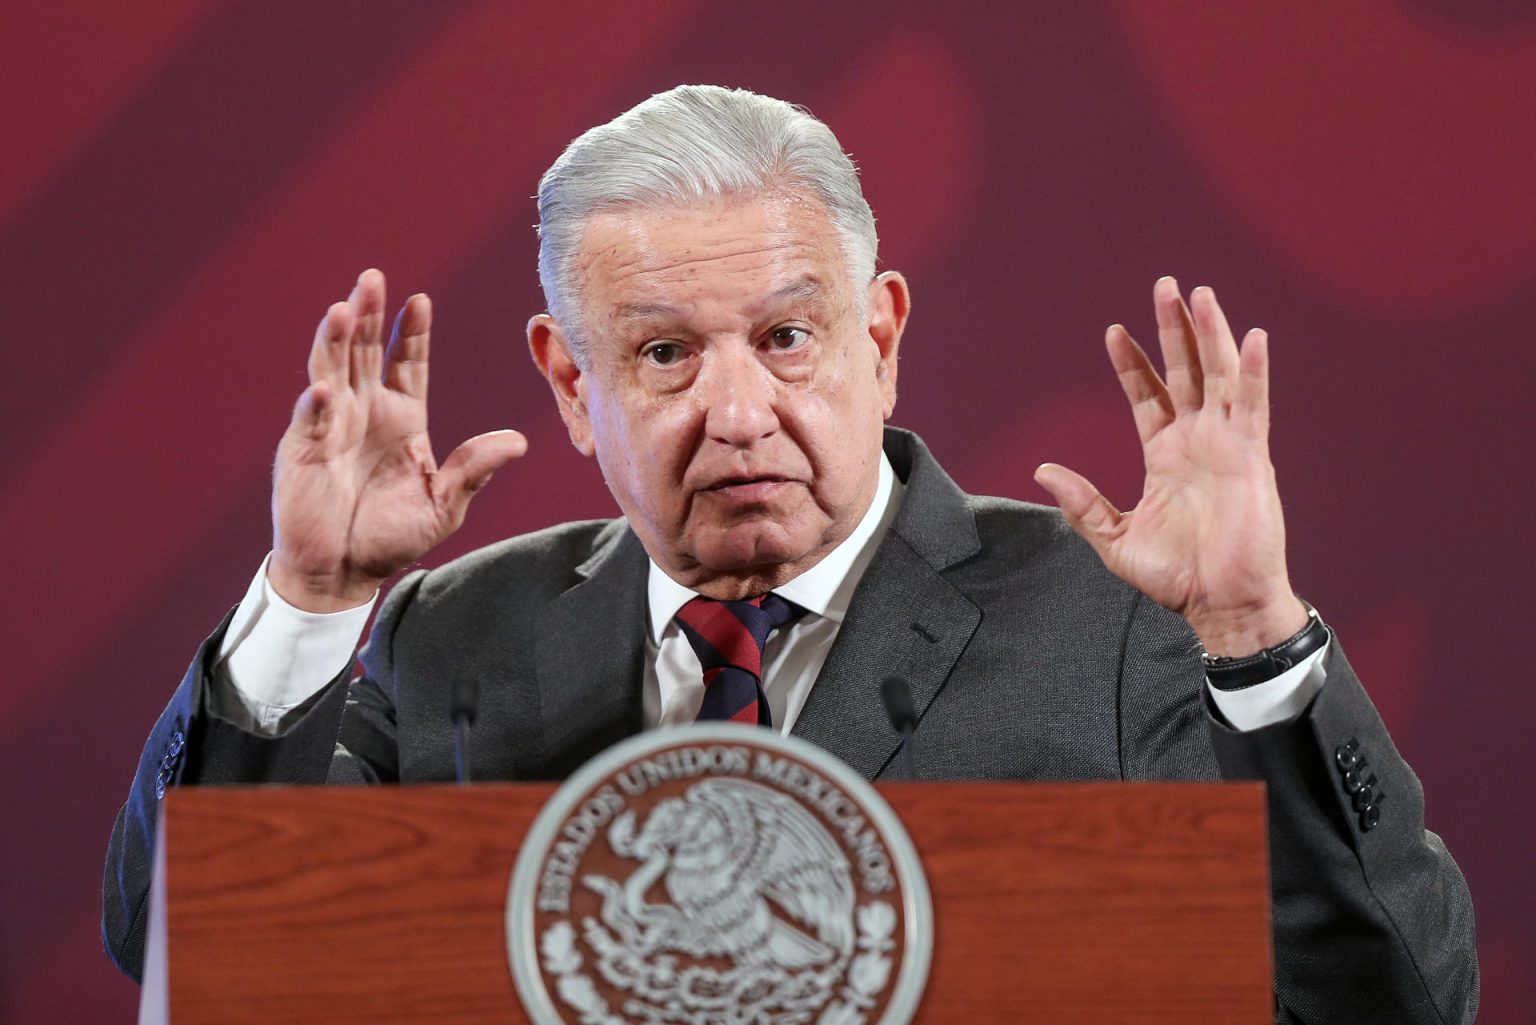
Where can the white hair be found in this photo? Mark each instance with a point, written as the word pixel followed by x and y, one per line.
pixel 691 144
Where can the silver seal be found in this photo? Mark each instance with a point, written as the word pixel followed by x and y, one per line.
pixel 718 874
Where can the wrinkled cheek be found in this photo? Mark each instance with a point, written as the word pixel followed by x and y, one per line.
pixel 837 434
pixel 614 457
pixel 644 474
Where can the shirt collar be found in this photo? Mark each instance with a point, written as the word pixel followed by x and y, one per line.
pixel 826 589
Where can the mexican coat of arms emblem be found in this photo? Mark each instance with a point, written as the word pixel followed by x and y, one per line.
pixel 718 875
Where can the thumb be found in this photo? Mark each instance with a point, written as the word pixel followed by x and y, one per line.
pixel 470 467
pixel 1090 513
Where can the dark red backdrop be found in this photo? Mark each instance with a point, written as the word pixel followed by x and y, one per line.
pixel 187 184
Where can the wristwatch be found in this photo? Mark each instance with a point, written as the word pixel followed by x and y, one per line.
pixel 1245 672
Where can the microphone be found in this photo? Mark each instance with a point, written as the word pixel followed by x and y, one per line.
pixel 898 705
pixel 463 696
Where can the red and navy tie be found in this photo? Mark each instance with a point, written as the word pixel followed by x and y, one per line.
pixel 728 637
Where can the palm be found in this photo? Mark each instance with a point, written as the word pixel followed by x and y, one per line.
pixel 1207 539
pixel 357 494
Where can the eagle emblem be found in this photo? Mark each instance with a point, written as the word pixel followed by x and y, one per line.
pixel 751 878
pixel 719 876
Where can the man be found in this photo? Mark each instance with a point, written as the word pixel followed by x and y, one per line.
pixel 718 338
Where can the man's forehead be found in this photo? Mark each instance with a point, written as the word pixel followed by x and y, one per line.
pixel 787 242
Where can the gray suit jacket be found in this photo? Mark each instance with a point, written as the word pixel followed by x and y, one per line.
pixel 1026 658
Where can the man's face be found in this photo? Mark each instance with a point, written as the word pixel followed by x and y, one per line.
pixel 734 396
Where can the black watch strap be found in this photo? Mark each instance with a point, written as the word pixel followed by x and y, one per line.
pixel 1241 673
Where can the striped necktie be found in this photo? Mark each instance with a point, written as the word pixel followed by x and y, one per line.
pixel 728 637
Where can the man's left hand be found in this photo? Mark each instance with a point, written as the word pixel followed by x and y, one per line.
pixel 1207 539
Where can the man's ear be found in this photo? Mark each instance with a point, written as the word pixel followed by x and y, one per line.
pixel 888 303
pixel 551 351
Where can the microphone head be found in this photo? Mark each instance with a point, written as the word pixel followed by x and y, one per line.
pixel 898 703
pixel 463 696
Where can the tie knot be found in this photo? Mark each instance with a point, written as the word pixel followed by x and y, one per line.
pixel 778 609
pixel 734 632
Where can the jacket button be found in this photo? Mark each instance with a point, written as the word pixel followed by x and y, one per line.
pixel 1363 800
pixel 1354 783
pixel 1370 815
pixel 1344 755
pixel 178 741
pixel 159 787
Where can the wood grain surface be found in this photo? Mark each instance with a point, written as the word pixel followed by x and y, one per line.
pixel 1060 903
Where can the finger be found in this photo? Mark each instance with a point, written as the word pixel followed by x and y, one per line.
pixel 405 363
pixel 1218 349
pixel 367 301
pixel 470 467
pixel 1253 383
pixel 1090 513
pixel 314 412
pixel 1181 352
pixel 1150 403
pixel 328 356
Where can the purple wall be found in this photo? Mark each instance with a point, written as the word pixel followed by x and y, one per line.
pixel 183 194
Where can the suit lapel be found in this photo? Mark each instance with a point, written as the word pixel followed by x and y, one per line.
pixel 905 620
pixel 590 656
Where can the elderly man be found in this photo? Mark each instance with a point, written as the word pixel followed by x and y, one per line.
pixel 718 338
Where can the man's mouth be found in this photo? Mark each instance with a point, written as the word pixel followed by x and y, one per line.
pixel 747 488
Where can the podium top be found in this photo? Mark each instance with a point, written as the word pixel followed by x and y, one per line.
pixel 1075 903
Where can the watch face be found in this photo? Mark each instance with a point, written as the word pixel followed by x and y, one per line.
pixel 718 873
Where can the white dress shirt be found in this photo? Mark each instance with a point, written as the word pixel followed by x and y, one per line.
pixel 275 658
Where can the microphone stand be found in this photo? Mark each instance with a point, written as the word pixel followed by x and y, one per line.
pixel 463 697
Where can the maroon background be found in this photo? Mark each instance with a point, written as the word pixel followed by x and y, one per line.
pixel 183 192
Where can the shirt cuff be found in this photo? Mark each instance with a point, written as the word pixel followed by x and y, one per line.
pixel 275 657
pixel 1284 697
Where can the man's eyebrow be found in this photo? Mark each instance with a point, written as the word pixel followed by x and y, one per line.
pixel 645 311
pixel 804 288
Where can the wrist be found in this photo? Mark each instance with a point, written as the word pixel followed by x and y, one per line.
pixel 1247 632
pixel 319 592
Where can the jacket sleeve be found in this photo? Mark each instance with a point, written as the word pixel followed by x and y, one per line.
pixel 345 735
pixel 1372 918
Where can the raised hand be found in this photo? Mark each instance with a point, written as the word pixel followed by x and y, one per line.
pixel 357 495
pixel 1207 539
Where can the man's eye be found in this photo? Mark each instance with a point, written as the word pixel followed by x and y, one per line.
pixel 788 337
pixel 662 354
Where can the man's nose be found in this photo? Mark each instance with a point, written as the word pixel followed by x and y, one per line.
pixel 739 395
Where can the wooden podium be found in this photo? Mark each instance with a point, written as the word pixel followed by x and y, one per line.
pixel 1058 903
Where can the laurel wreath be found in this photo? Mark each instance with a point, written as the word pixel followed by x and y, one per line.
pixel 870 970
pixel 867 974
pixel 558 945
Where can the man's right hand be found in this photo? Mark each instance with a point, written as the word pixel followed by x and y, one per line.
pixel 357 494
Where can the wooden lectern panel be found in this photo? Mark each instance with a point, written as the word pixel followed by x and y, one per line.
pixel 1060 903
